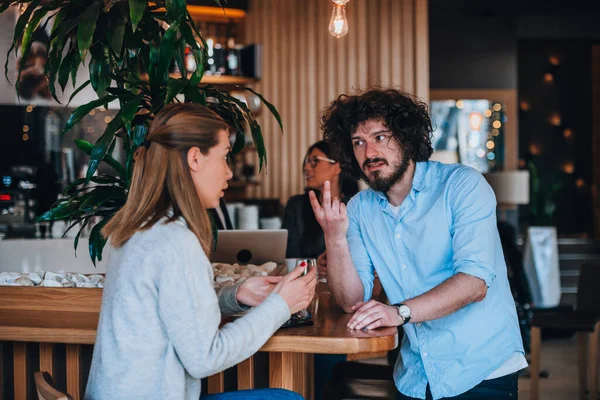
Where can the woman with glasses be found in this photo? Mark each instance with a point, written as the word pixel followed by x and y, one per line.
pixel 305 237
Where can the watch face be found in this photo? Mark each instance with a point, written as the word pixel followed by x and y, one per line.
pixel 404 311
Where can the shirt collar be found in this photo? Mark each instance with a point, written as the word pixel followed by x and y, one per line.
pixel 419 182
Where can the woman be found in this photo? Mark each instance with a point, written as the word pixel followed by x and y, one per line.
pixel 158 332
pixel 305 236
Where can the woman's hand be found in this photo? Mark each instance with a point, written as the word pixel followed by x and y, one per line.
pixel 297 290
pixel 255 289
pixel 322 265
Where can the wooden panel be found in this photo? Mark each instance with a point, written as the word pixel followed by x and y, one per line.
pixel 73 369
pixel 20 369
pixel 216 383
pixel 245 374
pixel 46 358
pixel 305 68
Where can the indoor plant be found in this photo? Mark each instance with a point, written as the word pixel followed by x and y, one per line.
pixel 129 48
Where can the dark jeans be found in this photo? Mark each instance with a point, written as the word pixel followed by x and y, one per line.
pixel 505 387
pixel 256 394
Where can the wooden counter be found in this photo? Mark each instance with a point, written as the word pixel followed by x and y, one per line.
pixel 70 316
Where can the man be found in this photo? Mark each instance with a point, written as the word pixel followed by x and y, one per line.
pixel 429 231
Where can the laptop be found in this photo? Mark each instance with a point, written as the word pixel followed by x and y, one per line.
pixel 251 246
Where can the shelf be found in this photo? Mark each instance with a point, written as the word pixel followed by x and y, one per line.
pixel 228 80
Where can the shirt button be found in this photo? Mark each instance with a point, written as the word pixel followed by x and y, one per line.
pixel 425 355
pixel 404 266
pixel 397 236
pixel 418 324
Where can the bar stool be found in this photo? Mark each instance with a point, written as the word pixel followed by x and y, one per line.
pixel 583 319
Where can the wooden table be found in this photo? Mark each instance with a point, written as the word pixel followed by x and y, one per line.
pixel 291 350
pixel 70 315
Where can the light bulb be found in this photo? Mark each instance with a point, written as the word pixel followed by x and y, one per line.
pixel 338 25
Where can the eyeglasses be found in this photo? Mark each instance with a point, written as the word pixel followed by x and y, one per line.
pixel 313 161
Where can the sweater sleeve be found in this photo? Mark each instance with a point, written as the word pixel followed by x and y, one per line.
pixel 228 300
pixel 189 309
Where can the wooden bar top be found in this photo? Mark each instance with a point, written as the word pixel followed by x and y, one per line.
pixel 70 315
pixel 329 334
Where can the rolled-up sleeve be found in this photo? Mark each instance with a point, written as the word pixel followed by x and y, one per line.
pixel 473 226
pixel 358 251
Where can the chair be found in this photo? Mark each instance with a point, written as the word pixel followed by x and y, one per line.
pixel 46 389
pixel 583 319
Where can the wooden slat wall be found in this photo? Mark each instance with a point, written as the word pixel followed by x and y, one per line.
pixel 304 68
pixel 596 137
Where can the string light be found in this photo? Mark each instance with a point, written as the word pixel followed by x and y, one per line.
pixel 460 104
pixel 487 113
pixel 548 78
pixel 497 124
pixel 554 60
pixel 568 168
pixel 25 128
pixel 525 106
pixel 568 133
pixel 555 119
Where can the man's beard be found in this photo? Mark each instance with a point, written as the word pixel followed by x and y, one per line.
pixel 383 184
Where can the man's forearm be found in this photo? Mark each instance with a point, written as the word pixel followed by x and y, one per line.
pixel 342 278
pixel 447 298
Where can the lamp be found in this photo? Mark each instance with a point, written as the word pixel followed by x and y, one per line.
pixel 511 187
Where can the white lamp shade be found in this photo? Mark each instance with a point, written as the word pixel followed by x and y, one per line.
pixel 510 187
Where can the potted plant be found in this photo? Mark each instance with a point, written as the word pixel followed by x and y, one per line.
pixel 128 48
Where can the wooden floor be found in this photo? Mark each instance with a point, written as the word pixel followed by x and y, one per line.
pixel 559 357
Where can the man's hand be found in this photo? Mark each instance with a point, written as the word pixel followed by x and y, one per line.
pixel 322 265
pixel 331 215
pixel 373 314
pixel 255 289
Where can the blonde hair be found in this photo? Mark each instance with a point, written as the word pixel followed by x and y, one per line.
pixel 161 179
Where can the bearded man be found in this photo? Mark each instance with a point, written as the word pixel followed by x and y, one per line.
pixel 429 231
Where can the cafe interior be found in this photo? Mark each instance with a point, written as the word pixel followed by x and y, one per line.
pixel 512 89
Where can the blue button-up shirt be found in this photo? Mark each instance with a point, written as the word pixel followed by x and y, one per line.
pixel 446 225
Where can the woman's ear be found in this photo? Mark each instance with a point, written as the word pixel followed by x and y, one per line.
pixel 337 169
pixel 195 159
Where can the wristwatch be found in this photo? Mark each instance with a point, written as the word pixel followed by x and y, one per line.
pixel 403 312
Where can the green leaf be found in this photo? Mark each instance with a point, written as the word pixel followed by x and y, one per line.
pixel 76 241
pixel 129 109
pixel 180 57
pixel 84 110
pixel 139 135
pixel 79 89
pixel 195 95
pixel 97 241
pixel 199 72
pixel 18 33
pixel 115 38
pixel 87 147
pixel 166 51
pixel 175 8
pixel 85 30
pixel 188 35
pixel 136 11
pixel 65 69
pixel 174 87
pixel 240 141
pixel 27 42
pixel 100 73
pixel 270 106
pixel 259 143
pixel 58 212
pixel 75 68
pixel 102 144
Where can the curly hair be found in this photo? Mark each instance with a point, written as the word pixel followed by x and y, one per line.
pixel 406 117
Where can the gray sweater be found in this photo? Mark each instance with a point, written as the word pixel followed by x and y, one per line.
pixel 158 332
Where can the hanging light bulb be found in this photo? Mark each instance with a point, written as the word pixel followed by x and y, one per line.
pixel 338 24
